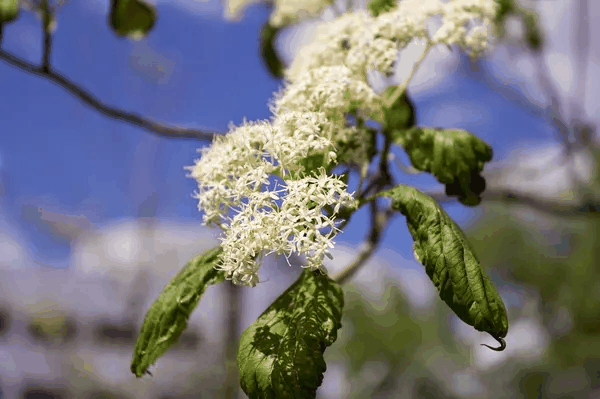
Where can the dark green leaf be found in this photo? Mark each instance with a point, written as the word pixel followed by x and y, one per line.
pixel 401 115
pixel 267 48
pixel 454 156
pixel 505 8
pixel 533 35
pixel 9 10
pixel 380 6
pixel 168 315
pixel 281 354
pixel 450 262
pixel 132 18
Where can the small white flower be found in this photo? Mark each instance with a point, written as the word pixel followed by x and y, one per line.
pixel 333 90
pixel 334 43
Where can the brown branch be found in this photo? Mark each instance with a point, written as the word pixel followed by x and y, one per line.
pixel 379 221
pixel 550 111
pixel 509 195
pixel 89 100
pixel 47 35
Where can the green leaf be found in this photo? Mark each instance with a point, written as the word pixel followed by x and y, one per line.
pixel 380 6
pixel 281 353
pixel 533 35
pixel 268 53
pixel 9 10
pixel 168 315
pixel 450 262
pixel 454 156
pixel 132 18
pixel 400 115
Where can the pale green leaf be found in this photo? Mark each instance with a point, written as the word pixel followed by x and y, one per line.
pixel 281 353
pixel 168 315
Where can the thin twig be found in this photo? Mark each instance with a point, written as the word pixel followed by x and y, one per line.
pixel 410 170
pixel 379 221
pixel 401 88
pixel 374 181
pixel 509 195
pixel 47 35
pixel 88 99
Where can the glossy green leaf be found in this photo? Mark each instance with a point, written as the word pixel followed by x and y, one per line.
pixel 281 353
pixel 168 315
pixel 454 156
pixel 268 53
pixel 450 262
pixel 132 18
pixel 401 115
pixel 9 10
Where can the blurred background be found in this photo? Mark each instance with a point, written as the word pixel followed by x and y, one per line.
pixel 96 215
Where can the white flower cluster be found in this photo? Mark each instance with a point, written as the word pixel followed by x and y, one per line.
pixel 253 182
pixel 333 90
pixel 294 226
pixel 236 174
pixel 363 42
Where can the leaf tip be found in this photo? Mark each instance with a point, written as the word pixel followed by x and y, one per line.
pixel 502 344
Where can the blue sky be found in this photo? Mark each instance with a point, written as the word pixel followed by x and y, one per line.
pixel 57 154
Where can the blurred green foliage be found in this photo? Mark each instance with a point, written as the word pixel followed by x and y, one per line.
pixel 532 37
pixel 561 265
pixel 559 261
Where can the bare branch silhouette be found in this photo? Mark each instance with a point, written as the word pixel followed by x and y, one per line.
pixel 379 221
pixel 499 192
pixel 47 34
pixel 158 128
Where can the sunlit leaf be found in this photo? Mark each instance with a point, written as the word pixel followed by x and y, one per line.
pixel 450 262
pixel 168 315
pixel 281 353
pixel 9 10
